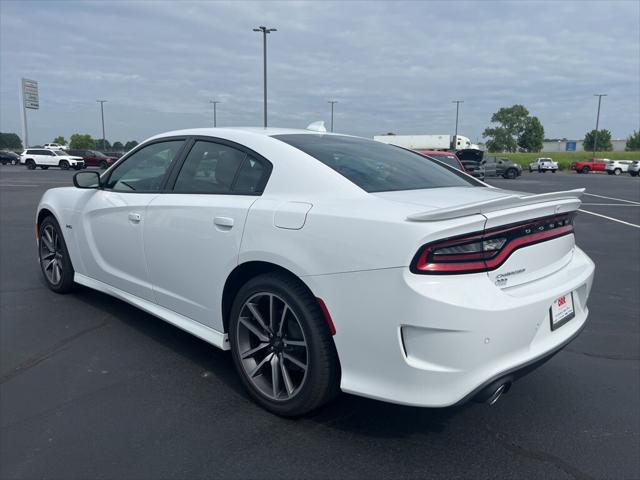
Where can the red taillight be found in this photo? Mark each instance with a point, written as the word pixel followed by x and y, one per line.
pixel 484 251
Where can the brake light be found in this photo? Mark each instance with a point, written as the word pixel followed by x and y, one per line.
pixel 484 251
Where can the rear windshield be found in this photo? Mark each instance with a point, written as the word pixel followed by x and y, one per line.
pixel 375 166
pixel 448 159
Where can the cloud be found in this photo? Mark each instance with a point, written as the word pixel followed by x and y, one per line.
pixel 393 66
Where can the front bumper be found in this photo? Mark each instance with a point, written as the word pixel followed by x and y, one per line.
pixel 435 341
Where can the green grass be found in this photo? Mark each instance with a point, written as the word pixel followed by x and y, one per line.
pixel 564 159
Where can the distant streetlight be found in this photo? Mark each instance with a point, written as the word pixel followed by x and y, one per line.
pixel 215 102
pixel 595 137
pixel 455 138
pixel 104 141
pixel 265 31
pixel 332 102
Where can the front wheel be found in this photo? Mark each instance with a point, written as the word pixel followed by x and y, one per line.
pixel 31 165
pixel 553 171
pixel 586 170
pixel 103 165
pixel 633 174
pixel 54 257
pixel 617 171
pixel 281 345
pixel 510 174
pixel 64 165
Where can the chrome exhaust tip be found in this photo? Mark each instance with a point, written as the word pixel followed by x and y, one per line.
pixel 495 396
pixel 492 392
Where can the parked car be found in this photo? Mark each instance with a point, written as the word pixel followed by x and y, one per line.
pixel 326 262
pixel 7 157
pixel 45 158
pixel 93 158
pixel 55 146
pixel 500 167
pixel 449 158
pixel 634 168
pixel 471 159
pixel 616 167
pixel 591 165
pixel 542 165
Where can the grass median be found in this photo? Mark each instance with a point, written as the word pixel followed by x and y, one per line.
pixel 564 159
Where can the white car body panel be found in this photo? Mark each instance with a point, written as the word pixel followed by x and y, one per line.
pixel 622 166
pixel 398 334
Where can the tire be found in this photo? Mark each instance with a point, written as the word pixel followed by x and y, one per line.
pixel 64 165
pixel 77 167
pixel 103 165
pixel 53 256
pixel 30 164
pixel 617 171
pixel 585 170
pixel 307 388
pixel 553 171
pixel 633 174
pixel 44 167
pixel 15 162
pixel 511 173
pixel 530 170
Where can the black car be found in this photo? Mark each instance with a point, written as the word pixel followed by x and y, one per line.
pixel 9 157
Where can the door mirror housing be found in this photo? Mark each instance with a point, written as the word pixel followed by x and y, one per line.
pixel 87 180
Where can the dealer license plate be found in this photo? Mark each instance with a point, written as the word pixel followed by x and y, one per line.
pixel 561 310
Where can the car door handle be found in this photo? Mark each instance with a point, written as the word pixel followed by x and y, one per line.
pixel 135 217
pixel 225 222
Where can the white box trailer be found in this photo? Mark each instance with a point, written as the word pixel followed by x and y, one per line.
pixel 427 142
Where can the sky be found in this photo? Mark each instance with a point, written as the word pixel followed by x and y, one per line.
pixel 392 66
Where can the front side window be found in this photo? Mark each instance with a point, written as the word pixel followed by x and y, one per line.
pixel 215 168
pixel 145 170
pixel 375 166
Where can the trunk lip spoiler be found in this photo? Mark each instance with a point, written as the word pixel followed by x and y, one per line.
pixel 492 205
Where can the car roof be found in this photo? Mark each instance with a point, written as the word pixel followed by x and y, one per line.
pixel 436 153
pixel 222 132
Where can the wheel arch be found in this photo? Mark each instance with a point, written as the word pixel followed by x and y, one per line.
pixel 244 272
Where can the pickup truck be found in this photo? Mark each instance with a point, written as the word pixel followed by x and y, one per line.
pixel 591 165
pixel 542 165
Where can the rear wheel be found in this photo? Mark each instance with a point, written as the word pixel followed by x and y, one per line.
pixel 54 257
pixel 281 345
pixel 617 171
pixel 103 165
pixel 64 165
pixel 31 165
pixel 510 173
pixel 585 170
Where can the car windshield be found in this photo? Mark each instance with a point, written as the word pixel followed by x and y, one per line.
pixel 375 166
pixel 98 154
pixel 60 153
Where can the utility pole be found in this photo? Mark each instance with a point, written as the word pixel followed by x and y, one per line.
pixel 595 137
pixel 265 31
pixel 215 102
pixel 455 137
pixel 104 140
pixel 332 102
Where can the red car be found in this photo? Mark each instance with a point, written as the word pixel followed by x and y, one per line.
pixel 449 158
pixel 93 159
pixel 586 166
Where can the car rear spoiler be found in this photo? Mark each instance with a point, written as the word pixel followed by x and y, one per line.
pixel 508 201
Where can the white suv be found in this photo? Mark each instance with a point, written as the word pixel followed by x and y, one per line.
pixel 55 146
pixel 542 165
pixel 634 168
pixel 616 167
pixel 45 158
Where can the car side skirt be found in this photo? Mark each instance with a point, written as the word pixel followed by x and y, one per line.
pixel 204 332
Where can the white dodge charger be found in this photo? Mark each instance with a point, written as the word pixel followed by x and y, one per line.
pixel 327 262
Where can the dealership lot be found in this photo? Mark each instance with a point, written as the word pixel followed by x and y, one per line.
pixel 91 387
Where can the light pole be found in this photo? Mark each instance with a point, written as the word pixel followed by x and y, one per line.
pixel 455 138
pixel 215 102
pixel 104 142
pixel 332 102
pixel 265 31
pixel 595 136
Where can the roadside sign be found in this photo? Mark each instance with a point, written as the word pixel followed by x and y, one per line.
pixel 570 147
pixel 30 94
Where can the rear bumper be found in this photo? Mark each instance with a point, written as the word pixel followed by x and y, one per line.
pixel 435 341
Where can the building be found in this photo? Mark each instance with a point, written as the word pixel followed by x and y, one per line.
pixel 577 146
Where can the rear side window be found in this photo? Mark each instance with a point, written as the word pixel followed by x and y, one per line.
pixel 375 166
pixel 215 168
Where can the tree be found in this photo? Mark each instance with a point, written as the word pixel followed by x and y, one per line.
pixel 59 140
pixel 532 137
pixel 512 123
pixel 130 144
pixel 79 141
pixel 104 147
pixel 117 146
pixel 633 142
pixel 604 140
pixel 10 141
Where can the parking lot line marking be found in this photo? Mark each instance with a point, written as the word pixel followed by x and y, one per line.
pixel 612 198
pixel 609 218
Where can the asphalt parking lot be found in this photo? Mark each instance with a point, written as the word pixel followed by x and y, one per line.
pixel 91 387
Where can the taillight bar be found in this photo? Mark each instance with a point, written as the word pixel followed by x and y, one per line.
pixel 485 251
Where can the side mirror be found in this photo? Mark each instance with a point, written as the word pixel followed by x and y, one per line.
pixel 87 180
